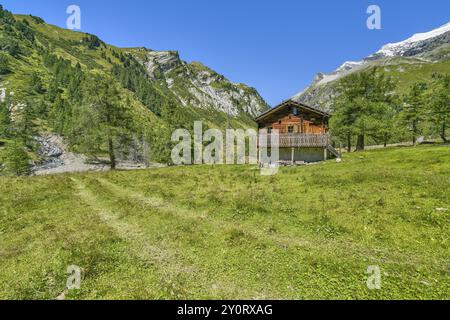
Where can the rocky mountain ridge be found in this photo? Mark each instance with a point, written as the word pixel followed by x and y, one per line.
pixel 196 85
pixel 421 49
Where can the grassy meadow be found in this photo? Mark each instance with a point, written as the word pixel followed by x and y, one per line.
pixel 213 232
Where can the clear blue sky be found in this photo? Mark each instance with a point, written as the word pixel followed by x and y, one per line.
pixel 275 46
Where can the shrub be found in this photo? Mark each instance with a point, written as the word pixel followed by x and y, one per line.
pixel 4 64
pixel 14 160
pixel 37 20
pixel 92 41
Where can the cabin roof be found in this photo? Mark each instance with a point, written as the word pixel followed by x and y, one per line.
pixel 290 103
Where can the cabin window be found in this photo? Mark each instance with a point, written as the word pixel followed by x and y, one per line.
pixel 269 130
pixel 291 129
pixel 295 112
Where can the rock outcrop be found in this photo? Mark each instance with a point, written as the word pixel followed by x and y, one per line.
pixel 196 85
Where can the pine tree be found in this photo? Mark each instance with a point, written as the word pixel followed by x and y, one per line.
pixel 439 100
pixel 111 117
pixel 23 126
pixel 364 99
pixel 5 120
pixel 414 109
pixel 14 160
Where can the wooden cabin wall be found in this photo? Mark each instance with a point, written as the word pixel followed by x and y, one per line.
pixel 283 124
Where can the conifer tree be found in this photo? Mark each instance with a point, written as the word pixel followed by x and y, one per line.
pixel 439 100
pixel 413 112
pixel 364 98
pixel 111 117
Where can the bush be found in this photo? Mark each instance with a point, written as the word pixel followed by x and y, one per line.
pixel 4 64
pixel 14 160
pixel 92 41
pixel 37 20
pixel 11 46
pixel 25 29
pixel 36 83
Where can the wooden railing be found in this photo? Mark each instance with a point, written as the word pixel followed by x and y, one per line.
pixel 297 140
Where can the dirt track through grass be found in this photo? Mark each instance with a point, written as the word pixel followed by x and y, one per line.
pixel 139 244
pixel 161 254
pixel 202 218
pixel 225 232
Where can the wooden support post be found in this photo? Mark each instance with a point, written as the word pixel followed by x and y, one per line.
pixel 325 154
pixel 293 156
pixel 301 125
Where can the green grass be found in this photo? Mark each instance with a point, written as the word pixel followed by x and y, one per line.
pixel 205 232
pixel 406 74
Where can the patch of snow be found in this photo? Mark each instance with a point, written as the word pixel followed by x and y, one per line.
pixel 394 49
pixel 349 65
pixel 322 78
pixel 389 50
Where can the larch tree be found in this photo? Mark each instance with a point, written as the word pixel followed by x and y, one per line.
pixel 413 112
pixel 109 119
pixel 439 104
pixel 363 100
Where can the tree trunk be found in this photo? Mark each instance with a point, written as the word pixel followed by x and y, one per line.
pixel 385 140
pixel 349 142
pixel 112 156
pixel 146 152
pixel 360 144
pixel 414 133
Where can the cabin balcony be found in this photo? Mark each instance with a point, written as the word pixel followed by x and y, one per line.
pixel 296 140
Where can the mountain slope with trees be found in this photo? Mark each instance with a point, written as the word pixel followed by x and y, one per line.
pixel 103 100
pixel 398 94
pixel 368 108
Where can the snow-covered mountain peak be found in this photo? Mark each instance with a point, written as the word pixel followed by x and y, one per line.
pixel 432 34
pixel 348 65
pixel 395 49
pixel 420 47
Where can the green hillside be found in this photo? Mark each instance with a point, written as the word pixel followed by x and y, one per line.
pixel 405 71
pixel 388 99
pixel 306 233
pixel 57 81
